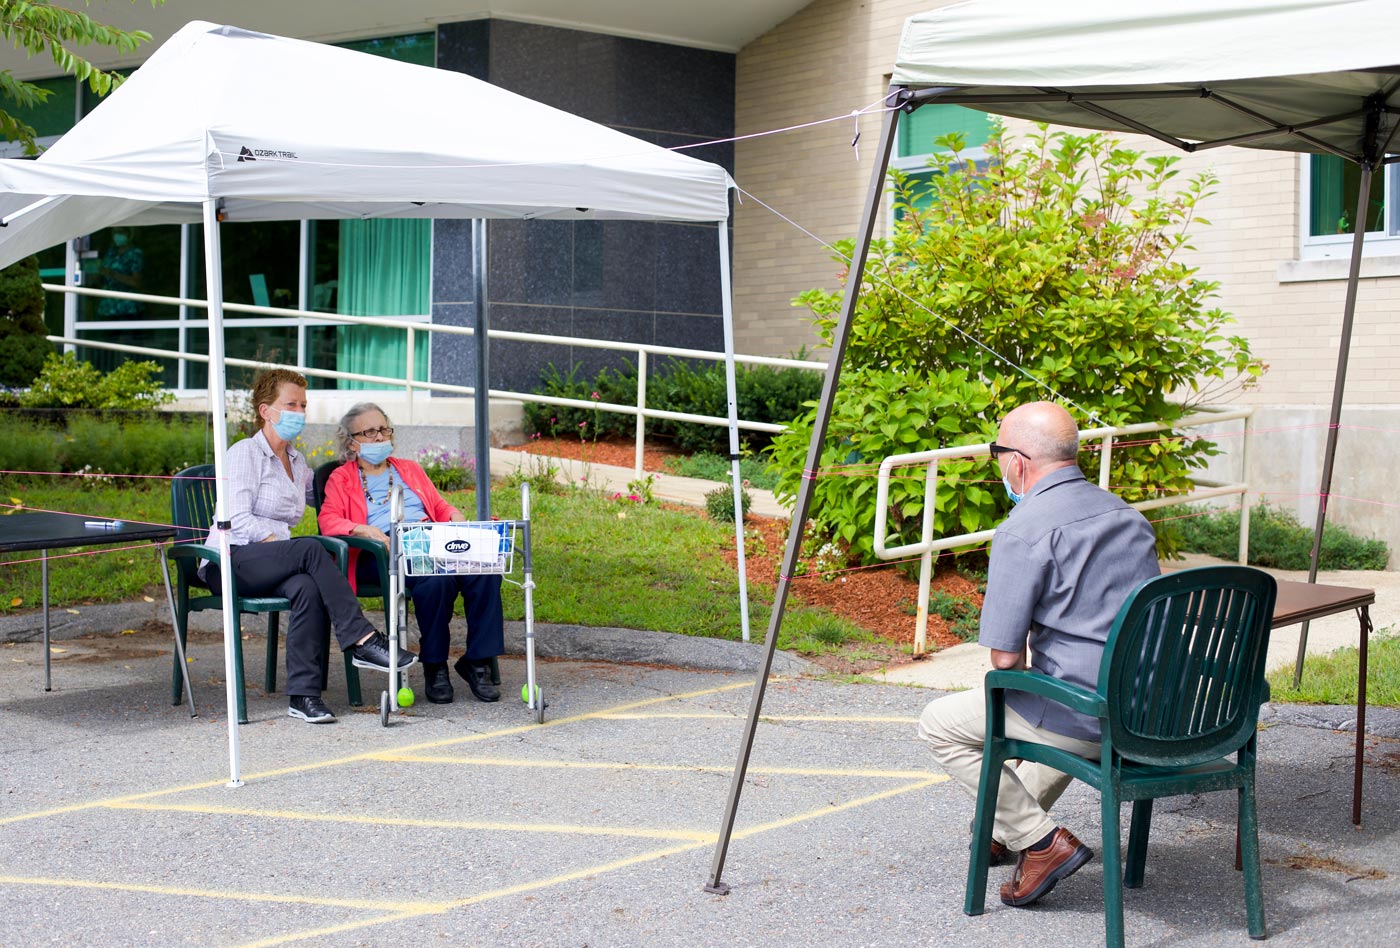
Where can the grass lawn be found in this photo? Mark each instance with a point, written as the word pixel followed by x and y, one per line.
pixel 597 563
pixel 1331 679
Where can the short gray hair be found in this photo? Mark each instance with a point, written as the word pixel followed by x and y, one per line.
pixel 347 422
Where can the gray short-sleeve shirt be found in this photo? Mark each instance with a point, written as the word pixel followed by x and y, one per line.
pixel 1061 566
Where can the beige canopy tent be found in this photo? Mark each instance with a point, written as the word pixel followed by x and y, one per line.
pixel 1317 76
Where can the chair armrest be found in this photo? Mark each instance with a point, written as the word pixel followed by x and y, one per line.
pixel 337 547
pixel 194 551
pixel 379 551
pixel 1061 692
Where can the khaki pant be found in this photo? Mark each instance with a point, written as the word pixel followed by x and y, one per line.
pixel 955 726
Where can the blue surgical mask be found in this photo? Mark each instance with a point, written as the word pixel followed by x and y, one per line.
pixel 375 452
pixel 1015 497
pixel 289 424
pixel 119 239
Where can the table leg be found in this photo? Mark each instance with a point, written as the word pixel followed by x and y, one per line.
pixel 44 568
pixel 1364 614
pixel 175 631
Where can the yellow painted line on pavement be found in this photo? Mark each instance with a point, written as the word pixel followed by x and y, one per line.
pixel 355 818
pixel 818 718
pixel 371 755
pixel 392 757
pixel 225 894
pixel 838 807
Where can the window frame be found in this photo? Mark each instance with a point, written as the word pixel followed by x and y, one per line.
pixel 1338 246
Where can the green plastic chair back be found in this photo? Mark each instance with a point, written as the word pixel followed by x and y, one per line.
pixel 1184 665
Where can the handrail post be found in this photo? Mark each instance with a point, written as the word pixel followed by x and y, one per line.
pixel 409 375
pixel 1105 458
pixel 926 559
pixel 641 407
pixel 1244 498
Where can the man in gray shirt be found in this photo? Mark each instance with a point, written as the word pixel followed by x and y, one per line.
pixel 1061 566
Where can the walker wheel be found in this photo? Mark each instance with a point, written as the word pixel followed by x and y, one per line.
pixel 384 708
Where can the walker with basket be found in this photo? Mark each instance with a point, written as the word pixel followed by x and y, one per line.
pixel 473 547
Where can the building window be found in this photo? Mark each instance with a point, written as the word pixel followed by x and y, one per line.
pixel 916 140
pixel 1330 187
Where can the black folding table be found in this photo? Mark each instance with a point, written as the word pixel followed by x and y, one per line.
pixel 43 531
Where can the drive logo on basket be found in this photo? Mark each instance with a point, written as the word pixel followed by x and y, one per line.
pixel 253 154
pixel 464 543
pixel 458 546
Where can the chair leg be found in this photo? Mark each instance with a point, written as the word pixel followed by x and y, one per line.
pixel 237 670
pixel 1112 870
pixel 495 672
pixel 1137 844
pixel 974 901
pixel 1249 844
pixel 270 674
pixel 352 682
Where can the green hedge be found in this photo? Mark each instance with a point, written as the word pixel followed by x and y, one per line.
pixel 1276 539
pixel 149 443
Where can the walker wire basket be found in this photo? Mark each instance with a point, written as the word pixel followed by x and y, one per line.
pixel 472 547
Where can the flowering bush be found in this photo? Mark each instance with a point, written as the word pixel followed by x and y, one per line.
pixel 448 470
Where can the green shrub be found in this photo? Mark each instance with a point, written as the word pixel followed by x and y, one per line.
pixel 719 503
pixel 23 336
pixel 151 446
pixel 962 616
pixel 1276 539
pixel 65 382
pixel 448 470
pixel 713 467
pixel 1050 270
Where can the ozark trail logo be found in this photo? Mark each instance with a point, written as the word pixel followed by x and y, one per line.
pixel 253 154
pixel 458 546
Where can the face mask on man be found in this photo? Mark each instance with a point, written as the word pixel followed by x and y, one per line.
pixel 375 452
pixel 1006 482
pixel 289 424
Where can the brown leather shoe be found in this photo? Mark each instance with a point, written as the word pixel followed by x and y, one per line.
pixel 1037 872
pixel 998 855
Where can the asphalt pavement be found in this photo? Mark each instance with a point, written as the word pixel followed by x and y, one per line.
pixel 469 824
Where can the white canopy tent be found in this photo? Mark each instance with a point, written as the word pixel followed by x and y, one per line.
pixel 223 124
pixel 1315 76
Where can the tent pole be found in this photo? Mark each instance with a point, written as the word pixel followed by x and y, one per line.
pixel 1339 382
pixel 214 293
pixel 732 392
pixel 809 474
pixel 481 398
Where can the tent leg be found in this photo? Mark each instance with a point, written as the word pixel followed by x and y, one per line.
pixel 732 394
pixel 481 397
pixel 214 281
pixel 804 491
pixel 1334 418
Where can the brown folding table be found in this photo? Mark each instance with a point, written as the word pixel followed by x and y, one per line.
pixel 1303 602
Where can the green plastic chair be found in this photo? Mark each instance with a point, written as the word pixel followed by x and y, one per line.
pixel 380 588
pixel 192 510
pixel 1178 700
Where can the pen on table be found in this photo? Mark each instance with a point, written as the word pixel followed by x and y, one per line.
pixel 103 524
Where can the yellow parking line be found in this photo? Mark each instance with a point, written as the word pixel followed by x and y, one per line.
pixel 356 758
pixel 841 718
pixel 391 757
pixel 838 807
pixel 355 818
pixel 223 894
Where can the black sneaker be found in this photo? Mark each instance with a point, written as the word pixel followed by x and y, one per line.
pixel 437 684
pixel 309 708
pixel 478 678
pixel 374 653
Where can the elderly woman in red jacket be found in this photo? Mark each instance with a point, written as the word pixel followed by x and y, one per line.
pixel 357 504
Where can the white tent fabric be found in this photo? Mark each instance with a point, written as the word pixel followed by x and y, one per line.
pixel 223 124
pixel 280 129
pixel 1285 62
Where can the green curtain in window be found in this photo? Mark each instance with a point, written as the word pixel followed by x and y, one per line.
pixel 384 271
pixel 1328 185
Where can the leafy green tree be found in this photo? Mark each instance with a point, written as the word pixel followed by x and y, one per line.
pixel 66 382
pixel 39 26
pixel 23 336
pixel 1051 272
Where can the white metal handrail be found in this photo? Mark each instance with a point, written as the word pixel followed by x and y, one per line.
pixel 927 544
pixel 273 314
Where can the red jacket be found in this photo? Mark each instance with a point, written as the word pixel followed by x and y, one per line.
pixel 344 507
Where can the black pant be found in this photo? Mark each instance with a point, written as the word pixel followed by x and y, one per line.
pixel 434 601
pixel 303 572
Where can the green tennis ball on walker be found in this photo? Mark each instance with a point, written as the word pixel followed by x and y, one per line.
pixel 405 697
pixel 525 693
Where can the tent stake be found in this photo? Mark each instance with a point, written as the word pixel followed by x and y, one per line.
pixel 804 491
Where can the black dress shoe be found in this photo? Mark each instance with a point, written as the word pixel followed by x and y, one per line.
pixel 309 708
pixel 437 684
pixel 478 678
pixel 374 653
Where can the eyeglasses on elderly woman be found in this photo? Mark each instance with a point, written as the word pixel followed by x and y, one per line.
pixel 373 434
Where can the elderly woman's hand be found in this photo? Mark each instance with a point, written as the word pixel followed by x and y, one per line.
pixel 371 533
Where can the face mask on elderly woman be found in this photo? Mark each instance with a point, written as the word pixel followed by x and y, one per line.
pixel 375 452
